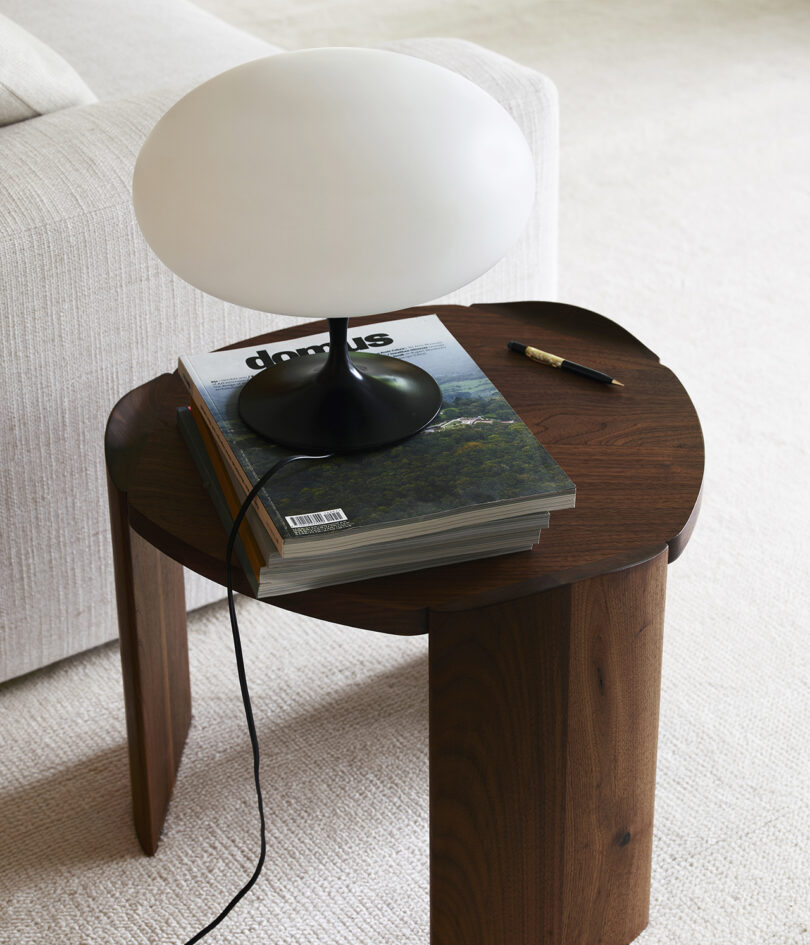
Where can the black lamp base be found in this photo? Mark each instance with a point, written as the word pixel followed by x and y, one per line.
pixel 333 404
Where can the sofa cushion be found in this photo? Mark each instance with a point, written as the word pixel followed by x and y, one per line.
pixel 34 79
pixel 126 47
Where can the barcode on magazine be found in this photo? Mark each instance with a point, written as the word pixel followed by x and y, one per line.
pixel 316 518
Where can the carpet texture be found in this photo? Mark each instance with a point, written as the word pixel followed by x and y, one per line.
pixel 685 215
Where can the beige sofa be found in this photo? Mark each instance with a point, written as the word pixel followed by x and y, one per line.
pixel 87 312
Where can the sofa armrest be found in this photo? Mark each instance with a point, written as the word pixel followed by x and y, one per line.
pixel 73 162
pixel 86 313
pixel 79 283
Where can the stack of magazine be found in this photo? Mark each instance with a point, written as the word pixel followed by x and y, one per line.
pixel 472 484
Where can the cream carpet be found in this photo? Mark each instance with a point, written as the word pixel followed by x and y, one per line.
pixel 685 215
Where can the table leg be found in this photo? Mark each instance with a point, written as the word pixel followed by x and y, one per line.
pixel 543 739
pixel 154 659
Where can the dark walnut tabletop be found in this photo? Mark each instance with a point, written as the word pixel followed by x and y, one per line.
pixel 635 454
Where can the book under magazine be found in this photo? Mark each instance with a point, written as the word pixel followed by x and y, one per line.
pixel 476 463
pixel 269 574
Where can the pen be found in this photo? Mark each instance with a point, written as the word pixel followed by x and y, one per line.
pixel 554 361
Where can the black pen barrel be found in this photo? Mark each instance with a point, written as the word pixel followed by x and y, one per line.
pixel 575 368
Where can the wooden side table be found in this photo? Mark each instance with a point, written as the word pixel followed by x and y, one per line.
pixel 544 666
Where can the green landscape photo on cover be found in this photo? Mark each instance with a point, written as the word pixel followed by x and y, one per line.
pixel 476 451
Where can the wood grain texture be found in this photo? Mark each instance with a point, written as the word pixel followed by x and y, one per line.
pixel 154 661
pixel 543 736
pixel 635 454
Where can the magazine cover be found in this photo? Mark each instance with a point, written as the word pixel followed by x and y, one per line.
pixel 477 460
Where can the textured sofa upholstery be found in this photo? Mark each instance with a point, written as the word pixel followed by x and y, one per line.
pixel 87 312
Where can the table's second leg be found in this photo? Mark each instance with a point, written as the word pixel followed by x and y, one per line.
pixel 543 738
pixel 154 660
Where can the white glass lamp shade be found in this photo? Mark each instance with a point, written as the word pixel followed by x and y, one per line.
pixel 333 182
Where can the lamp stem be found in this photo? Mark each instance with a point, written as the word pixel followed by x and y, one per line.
pixel 339 370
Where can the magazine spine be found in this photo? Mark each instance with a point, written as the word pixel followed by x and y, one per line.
pixel 266 546
pixel 228 490
pixel 200 459
pixel 198 401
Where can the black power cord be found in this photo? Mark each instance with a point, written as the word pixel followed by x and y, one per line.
pixel 240 665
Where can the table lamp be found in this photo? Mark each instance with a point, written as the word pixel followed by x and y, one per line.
pixel 329 183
